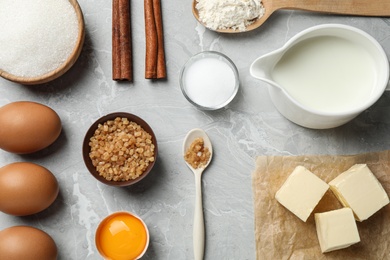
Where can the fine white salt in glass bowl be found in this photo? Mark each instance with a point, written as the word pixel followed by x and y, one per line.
pixel 209 80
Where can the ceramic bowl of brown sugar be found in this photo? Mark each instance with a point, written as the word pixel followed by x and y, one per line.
pixel 120 149
pixel 39 42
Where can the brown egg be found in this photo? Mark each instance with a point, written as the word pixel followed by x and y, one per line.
pixel 27 243
pixel 26 188
pixel 27 127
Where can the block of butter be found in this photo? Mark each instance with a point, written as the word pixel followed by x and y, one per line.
pixel 359 189
pixel 301 192
pixel 336 229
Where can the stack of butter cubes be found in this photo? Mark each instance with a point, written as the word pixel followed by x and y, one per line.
pixel 358 190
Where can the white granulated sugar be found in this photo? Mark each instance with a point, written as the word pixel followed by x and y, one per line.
pixel 210 82
pixel 229 14
pixel 37 36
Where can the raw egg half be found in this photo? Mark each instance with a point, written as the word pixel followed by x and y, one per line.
pixel 122 236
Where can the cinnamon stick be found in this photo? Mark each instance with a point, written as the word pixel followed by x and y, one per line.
pixel 150 40
pixel 161 68
pixel 155 67
pixel 122 64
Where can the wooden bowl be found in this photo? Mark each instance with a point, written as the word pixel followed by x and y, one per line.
pixel 87 148
pixel 65 66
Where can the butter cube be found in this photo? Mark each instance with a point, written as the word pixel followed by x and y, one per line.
pixel 301 192
pixel 359 189
pixel 336 229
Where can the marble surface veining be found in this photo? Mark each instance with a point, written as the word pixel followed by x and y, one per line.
pixel 247 127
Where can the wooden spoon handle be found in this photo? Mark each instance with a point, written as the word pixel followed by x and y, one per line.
pixel 347 7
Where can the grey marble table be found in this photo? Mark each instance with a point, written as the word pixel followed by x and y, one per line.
pixel 248 127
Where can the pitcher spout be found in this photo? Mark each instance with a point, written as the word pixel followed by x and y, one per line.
pixel 263 66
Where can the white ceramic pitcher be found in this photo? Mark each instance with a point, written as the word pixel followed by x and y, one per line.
pixel 304 115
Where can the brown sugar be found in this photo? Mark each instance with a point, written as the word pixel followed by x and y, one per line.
pixel 121 150
pixel 197 155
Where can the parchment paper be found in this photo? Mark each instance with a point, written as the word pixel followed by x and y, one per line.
pixel 279 234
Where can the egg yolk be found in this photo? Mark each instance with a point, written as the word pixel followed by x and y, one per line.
pixel 122 237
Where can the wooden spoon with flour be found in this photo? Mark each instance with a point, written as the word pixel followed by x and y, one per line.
pixel 356 7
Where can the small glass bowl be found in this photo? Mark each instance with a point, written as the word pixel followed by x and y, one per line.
pixel 197 69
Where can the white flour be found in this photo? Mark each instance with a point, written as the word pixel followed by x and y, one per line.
pixel 232 14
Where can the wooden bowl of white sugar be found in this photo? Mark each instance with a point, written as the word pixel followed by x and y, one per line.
pixel 40 39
